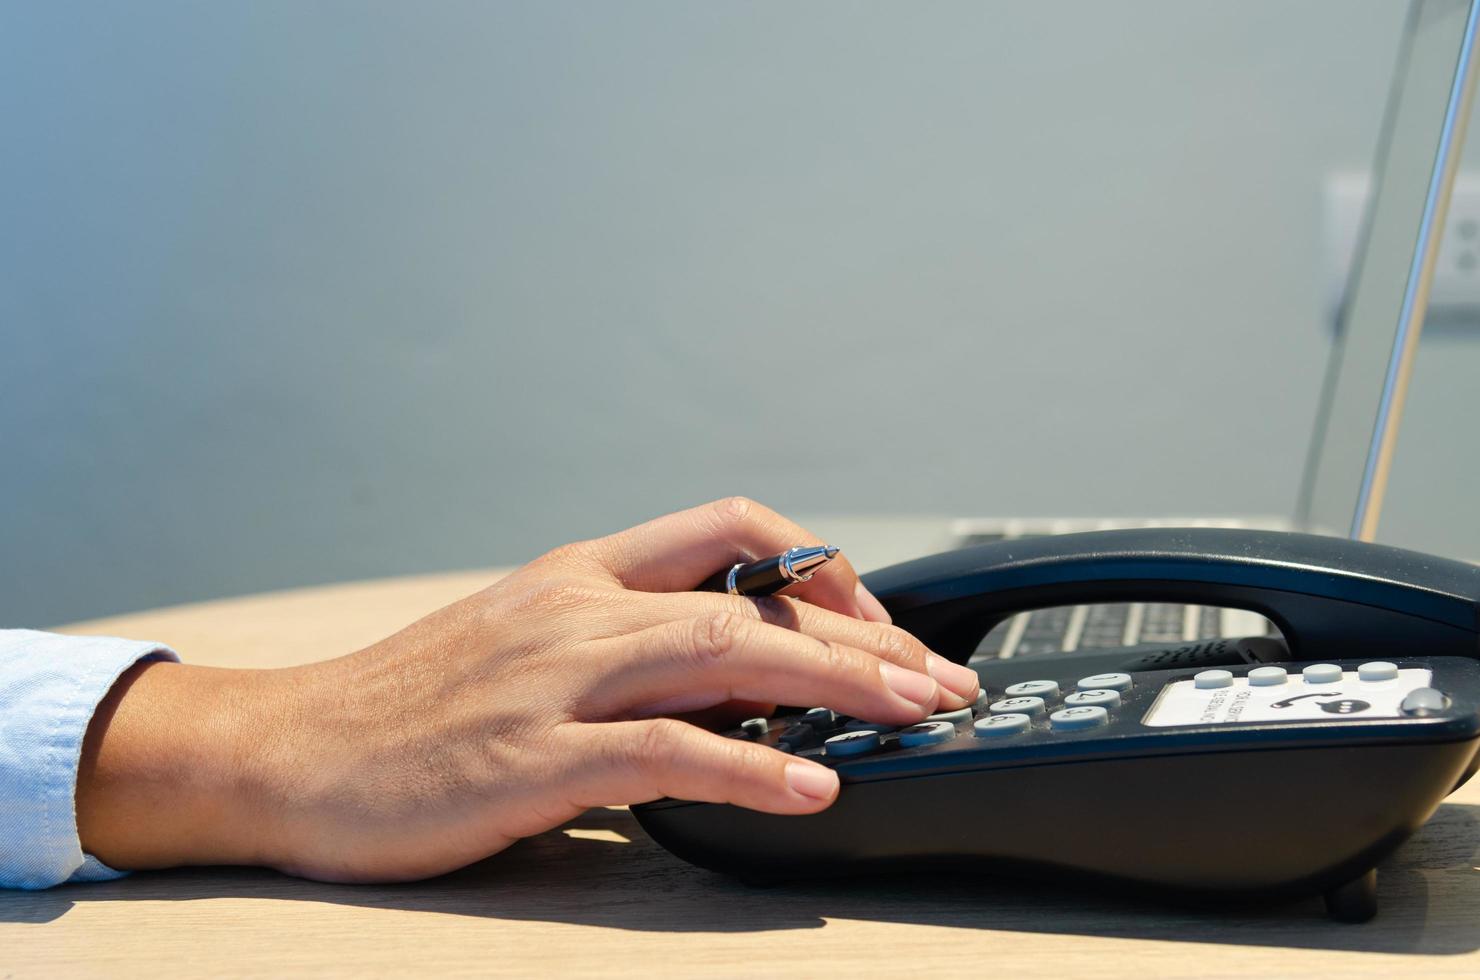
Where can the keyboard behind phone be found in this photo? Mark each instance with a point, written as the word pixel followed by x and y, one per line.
pixel 1068 628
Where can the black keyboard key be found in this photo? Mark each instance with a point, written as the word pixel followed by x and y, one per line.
pixel 1104 626
pixel 1161 622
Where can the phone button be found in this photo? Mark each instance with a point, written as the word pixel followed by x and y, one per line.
pixel 1268 676
pixel 960 714
pixel 1033 689
pixel 1001 726
pixel 755 727
pixel 1423 702
pixel 1105 682
pixel 1109 700
pixel 795 736
pixel 820 718
pixel 926 733
pixel 1079 718
pixel 1208 679
pixel 1377 670
pixel 1032 707
pixel 1322 674
pixel 851 743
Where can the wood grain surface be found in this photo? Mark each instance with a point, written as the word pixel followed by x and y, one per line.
pixel 597 898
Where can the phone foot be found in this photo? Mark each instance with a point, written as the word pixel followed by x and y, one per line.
pixel 1355 901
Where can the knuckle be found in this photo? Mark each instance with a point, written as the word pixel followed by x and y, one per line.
pixel 897 646
pixel 733 510
pixel 656 745
pixel 556 596
pixel 573 555
pixel 714 635
pixel 838 659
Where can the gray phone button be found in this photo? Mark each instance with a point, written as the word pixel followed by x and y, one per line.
pixel 1001 726
pixel 926 733
pixel 1078 718
pixel 795 735
pixel 1422 703
pixel 1033 689
pixel 1205 679
pixel 1032 707
pixel 851 743
pixel 820 718
pixel 1104 682
pixel 1268 676
pixel 1321 674
pixel 1109 700
pixel 960 714
pixel 1377 670
pixel 755 727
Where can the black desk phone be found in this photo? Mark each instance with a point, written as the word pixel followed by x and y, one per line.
pixel 1256 769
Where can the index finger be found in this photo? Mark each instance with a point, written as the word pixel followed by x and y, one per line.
pixel 677 552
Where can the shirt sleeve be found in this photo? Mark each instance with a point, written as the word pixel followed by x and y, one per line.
pixel 50 685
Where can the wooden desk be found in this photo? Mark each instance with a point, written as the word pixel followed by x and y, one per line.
pixel 596 897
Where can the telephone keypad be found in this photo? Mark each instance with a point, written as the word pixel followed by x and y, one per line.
pixel 1169 698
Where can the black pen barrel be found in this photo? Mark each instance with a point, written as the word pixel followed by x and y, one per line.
pixel 764 577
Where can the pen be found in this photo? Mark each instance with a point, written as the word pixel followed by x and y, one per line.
pixel 767 576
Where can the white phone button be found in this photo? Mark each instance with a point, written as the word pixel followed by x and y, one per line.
pixel 1032 707
pixel 1105 682
pixel 755 727
pixel 1268 676
pixel 1078 718
pixel 1001 726
pixel 1377 670
pixel 851 743
pixel 1207 679
pixel 1109 700
pixel 926 733
pixel 1322 674
pixel 1033 689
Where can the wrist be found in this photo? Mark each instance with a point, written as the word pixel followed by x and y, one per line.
pixel 173 768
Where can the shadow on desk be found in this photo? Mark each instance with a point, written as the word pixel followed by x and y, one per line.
pixel 601 870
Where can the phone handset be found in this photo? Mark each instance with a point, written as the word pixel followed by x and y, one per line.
pixel 1329 597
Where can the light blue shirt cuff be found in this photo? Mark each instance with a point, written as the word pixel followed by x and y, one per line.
pixel 50 686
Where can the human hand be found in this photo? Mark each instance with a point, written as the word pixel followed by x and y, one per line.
pixel 505 714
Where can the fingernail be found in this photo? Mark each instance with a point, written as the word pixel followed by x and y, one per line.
pixel 957 678
pixel 915 688
pixel 811 780
pixel 873 610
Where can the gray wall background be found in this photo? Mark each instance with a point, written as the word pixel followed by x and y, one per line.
pixel 293 293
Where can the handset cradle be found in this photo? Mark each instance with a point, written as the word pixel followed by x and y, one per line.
pixel 1328 596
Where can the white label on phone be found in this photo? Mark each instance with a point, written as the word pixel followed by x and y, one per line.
pixel 1184 703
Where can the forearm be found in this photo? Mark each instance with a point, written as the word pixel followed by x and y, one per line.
pixel 173 766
